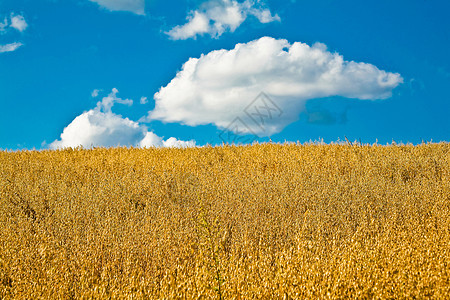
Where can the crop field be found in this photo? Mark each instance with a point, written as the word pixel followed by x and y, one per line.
pixel 232 222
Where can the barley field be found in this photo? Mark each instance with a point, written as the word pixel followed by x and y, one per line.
pixel 265 221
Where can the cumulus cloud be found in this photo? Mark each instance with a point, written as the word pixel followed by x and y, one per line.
pixel 220 86
pixel 10 47
pixel 18 22
pixel 214 17
pixel 134 6
pixel 100 127
pixel 144 100
pixel 95 128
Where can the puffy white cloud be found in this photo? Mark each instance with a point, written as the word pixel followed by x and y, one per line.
pixel 100 127
pixel 220 86
pixel 217 16
pixel 151 140
pixel 18 22
pixel 134 6
pixel 10 47
pixel 144 100
pixel 95 128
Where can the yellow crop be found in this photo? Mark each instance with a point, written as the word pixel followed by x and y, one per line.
pixel 262 221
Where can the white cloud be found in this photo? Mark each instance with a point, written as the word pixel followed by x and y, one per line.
pixel 107 102
pixel 264 15
pixel 95 93
pixel 10 47
pixel 95 128
pixel 152 140
pixel 214 17
pixel 198 24
pixel 15 21
pixel 100 127
pixel 174 143
pixel 4 25
pixel 134 6
pixel 144 100
pixel 18 22
pixel 219 87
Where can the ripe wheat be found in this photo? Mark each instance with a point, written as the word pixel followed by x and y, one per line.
pixel 262 221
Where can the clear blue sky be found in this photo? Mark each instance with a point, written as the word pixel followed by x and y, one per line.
pixel 70 48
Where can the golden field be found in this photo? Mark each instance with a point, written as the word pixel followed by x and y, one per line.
pixel 263 221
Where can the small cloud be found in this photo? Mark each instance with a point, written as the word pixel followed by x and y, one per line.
pixel 18 22
pixel 108 102
pixel 4 25
pixel 175 143
pixel 215 17
pixel 152 140
pixel 100 127
pixel 198 24
pixel 95 93
pixel 10 47
pixel 224 85
pixel 144 100
pixel 134 6
pixel 264 15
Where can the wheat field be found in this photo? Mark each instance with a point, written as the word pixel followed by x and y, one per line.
pixel 265 221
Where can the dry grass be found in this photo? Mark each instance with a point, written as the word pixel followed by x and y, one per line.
pixel 262 221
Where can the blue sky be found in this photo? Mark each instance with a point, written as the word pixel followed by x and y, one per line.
pixel 365 70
